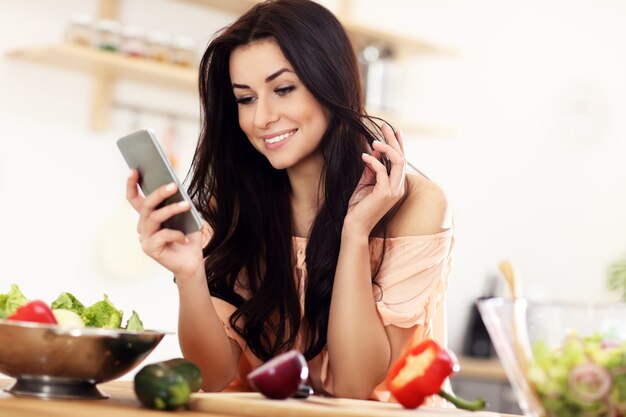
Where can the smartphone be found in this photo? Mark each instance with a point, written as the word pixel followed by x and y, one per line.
pixel 142 152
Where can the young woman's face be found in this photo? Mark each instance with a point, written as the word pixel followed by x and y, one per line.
pixel 280 117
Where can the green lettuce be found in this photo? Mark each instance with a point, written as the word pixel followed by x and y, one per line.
pixel 551 369
pixel 67 301
pixel 11 301
pixel 134 323
pixel 103 314
pixel 100 314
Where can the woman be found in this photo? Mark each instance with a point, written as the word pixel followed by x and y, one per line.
pixel 316 238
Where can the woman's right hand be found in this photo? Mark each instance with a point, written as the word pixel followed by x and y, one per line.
pixel 181 254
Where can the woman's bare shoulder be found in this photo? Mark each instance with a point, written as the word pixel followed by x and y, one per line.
pixel 425 211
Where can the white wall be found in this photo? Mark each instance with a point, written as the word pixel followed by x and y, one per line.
pixel 535 97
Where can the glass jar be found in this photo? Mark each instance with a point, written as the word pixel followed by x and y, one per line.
pixel 378 73
pixel 133 41
pixel 183 51
pixel 80 30
pixel 158 44
pixel 108 35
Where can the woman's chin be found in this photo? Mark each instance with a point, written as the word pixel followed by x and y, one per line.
pixel 280 164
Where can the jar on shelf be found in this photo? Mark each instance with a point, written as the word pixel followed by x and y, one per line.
pixel 183 51
pixel 133 41
pixel 80 29
pixel 108 35
pixel 158 46
pixel 378 72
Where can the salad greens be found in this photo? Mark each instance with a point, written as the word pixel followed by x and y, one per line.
pixel 11 301
pixel 100 314
pixel 67 301
pixel 103 314
pixel 586 376
pixel 134 322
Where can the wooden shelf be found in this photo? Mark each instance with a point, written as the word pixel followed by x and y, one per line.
pixel 106 67
pixel 233 6
pixel 360 34
pixel 112 64
pixel 117 66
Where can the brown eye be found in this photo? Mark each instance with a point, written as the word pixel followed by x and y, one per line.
pixel 245 100
pixel 283 91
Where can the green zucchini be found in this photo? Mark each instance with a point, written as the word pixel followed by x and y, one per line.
pixel 187 369
pixel 167 385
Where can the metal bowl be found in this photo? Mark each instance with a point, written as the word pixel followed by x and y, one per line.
pixel 55 362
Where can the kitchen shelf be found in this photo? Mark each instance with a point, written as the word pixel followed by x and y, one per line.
pixel 360 34
pixel 142 70
pixel 232 6
pixel 109 63
pixel 107 67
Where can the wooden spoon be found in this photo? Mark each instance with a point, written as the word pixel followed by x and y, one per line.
pixel 509 274
pixel 521 344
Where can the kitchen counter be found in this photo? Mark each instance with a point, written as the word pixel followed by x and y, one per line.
pixel 477 368
pixel 485 378
pixel 121 403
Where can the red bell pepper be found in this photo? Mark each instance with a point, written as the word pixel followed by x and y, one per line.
pixel 34 311
pixel 421 372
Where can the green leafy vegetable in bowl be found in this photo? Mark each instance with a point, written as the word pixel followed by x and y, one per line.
pixel 70 312
pixel 67 301
pixel 103 314
pixel 134 322
pixel 11 301
pixel 586 376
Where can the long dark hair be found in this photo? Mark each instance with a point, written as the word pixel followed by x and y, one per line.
pixel 246 201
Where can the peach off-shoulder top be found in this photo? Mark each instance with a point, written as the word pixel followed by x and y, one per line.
pixel 412 284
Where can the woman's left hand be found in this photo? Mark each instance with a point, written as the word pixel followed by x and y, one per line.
pixel 377 192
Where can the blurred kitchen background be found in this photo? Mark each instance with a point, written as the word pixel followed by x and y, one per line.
pixel 516 108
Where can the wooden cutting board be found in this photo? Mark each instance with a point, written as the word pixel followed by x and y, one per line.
pixel 256 405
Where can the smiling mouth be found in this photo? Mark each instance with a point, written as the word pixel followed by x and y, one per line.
pixel 280 138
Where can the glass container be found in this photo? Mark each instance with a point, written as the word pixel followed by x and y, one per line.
pixel 108 35
pixel 562 359
pixel 80 30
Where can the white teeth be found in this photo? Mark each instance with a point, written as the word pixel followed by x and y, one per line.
pixel 278 138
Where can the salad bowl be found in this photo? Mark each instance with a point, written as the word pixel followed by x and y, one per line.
pixel 57 362
pixel 562 359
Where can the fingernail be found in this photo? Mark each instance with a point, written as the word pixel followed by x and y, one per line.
pixel 186 239
pixel 183 204
pixel 170 187
pixel 364 155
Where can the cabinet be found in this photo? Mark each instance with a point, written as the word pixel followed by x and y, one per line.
pixel 106 67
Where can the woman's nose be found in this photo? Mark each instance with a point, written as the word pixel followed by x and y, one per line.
pixel 265 114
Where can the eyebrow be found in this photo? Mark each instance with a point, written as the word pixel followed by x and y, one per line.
pixel 267 80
